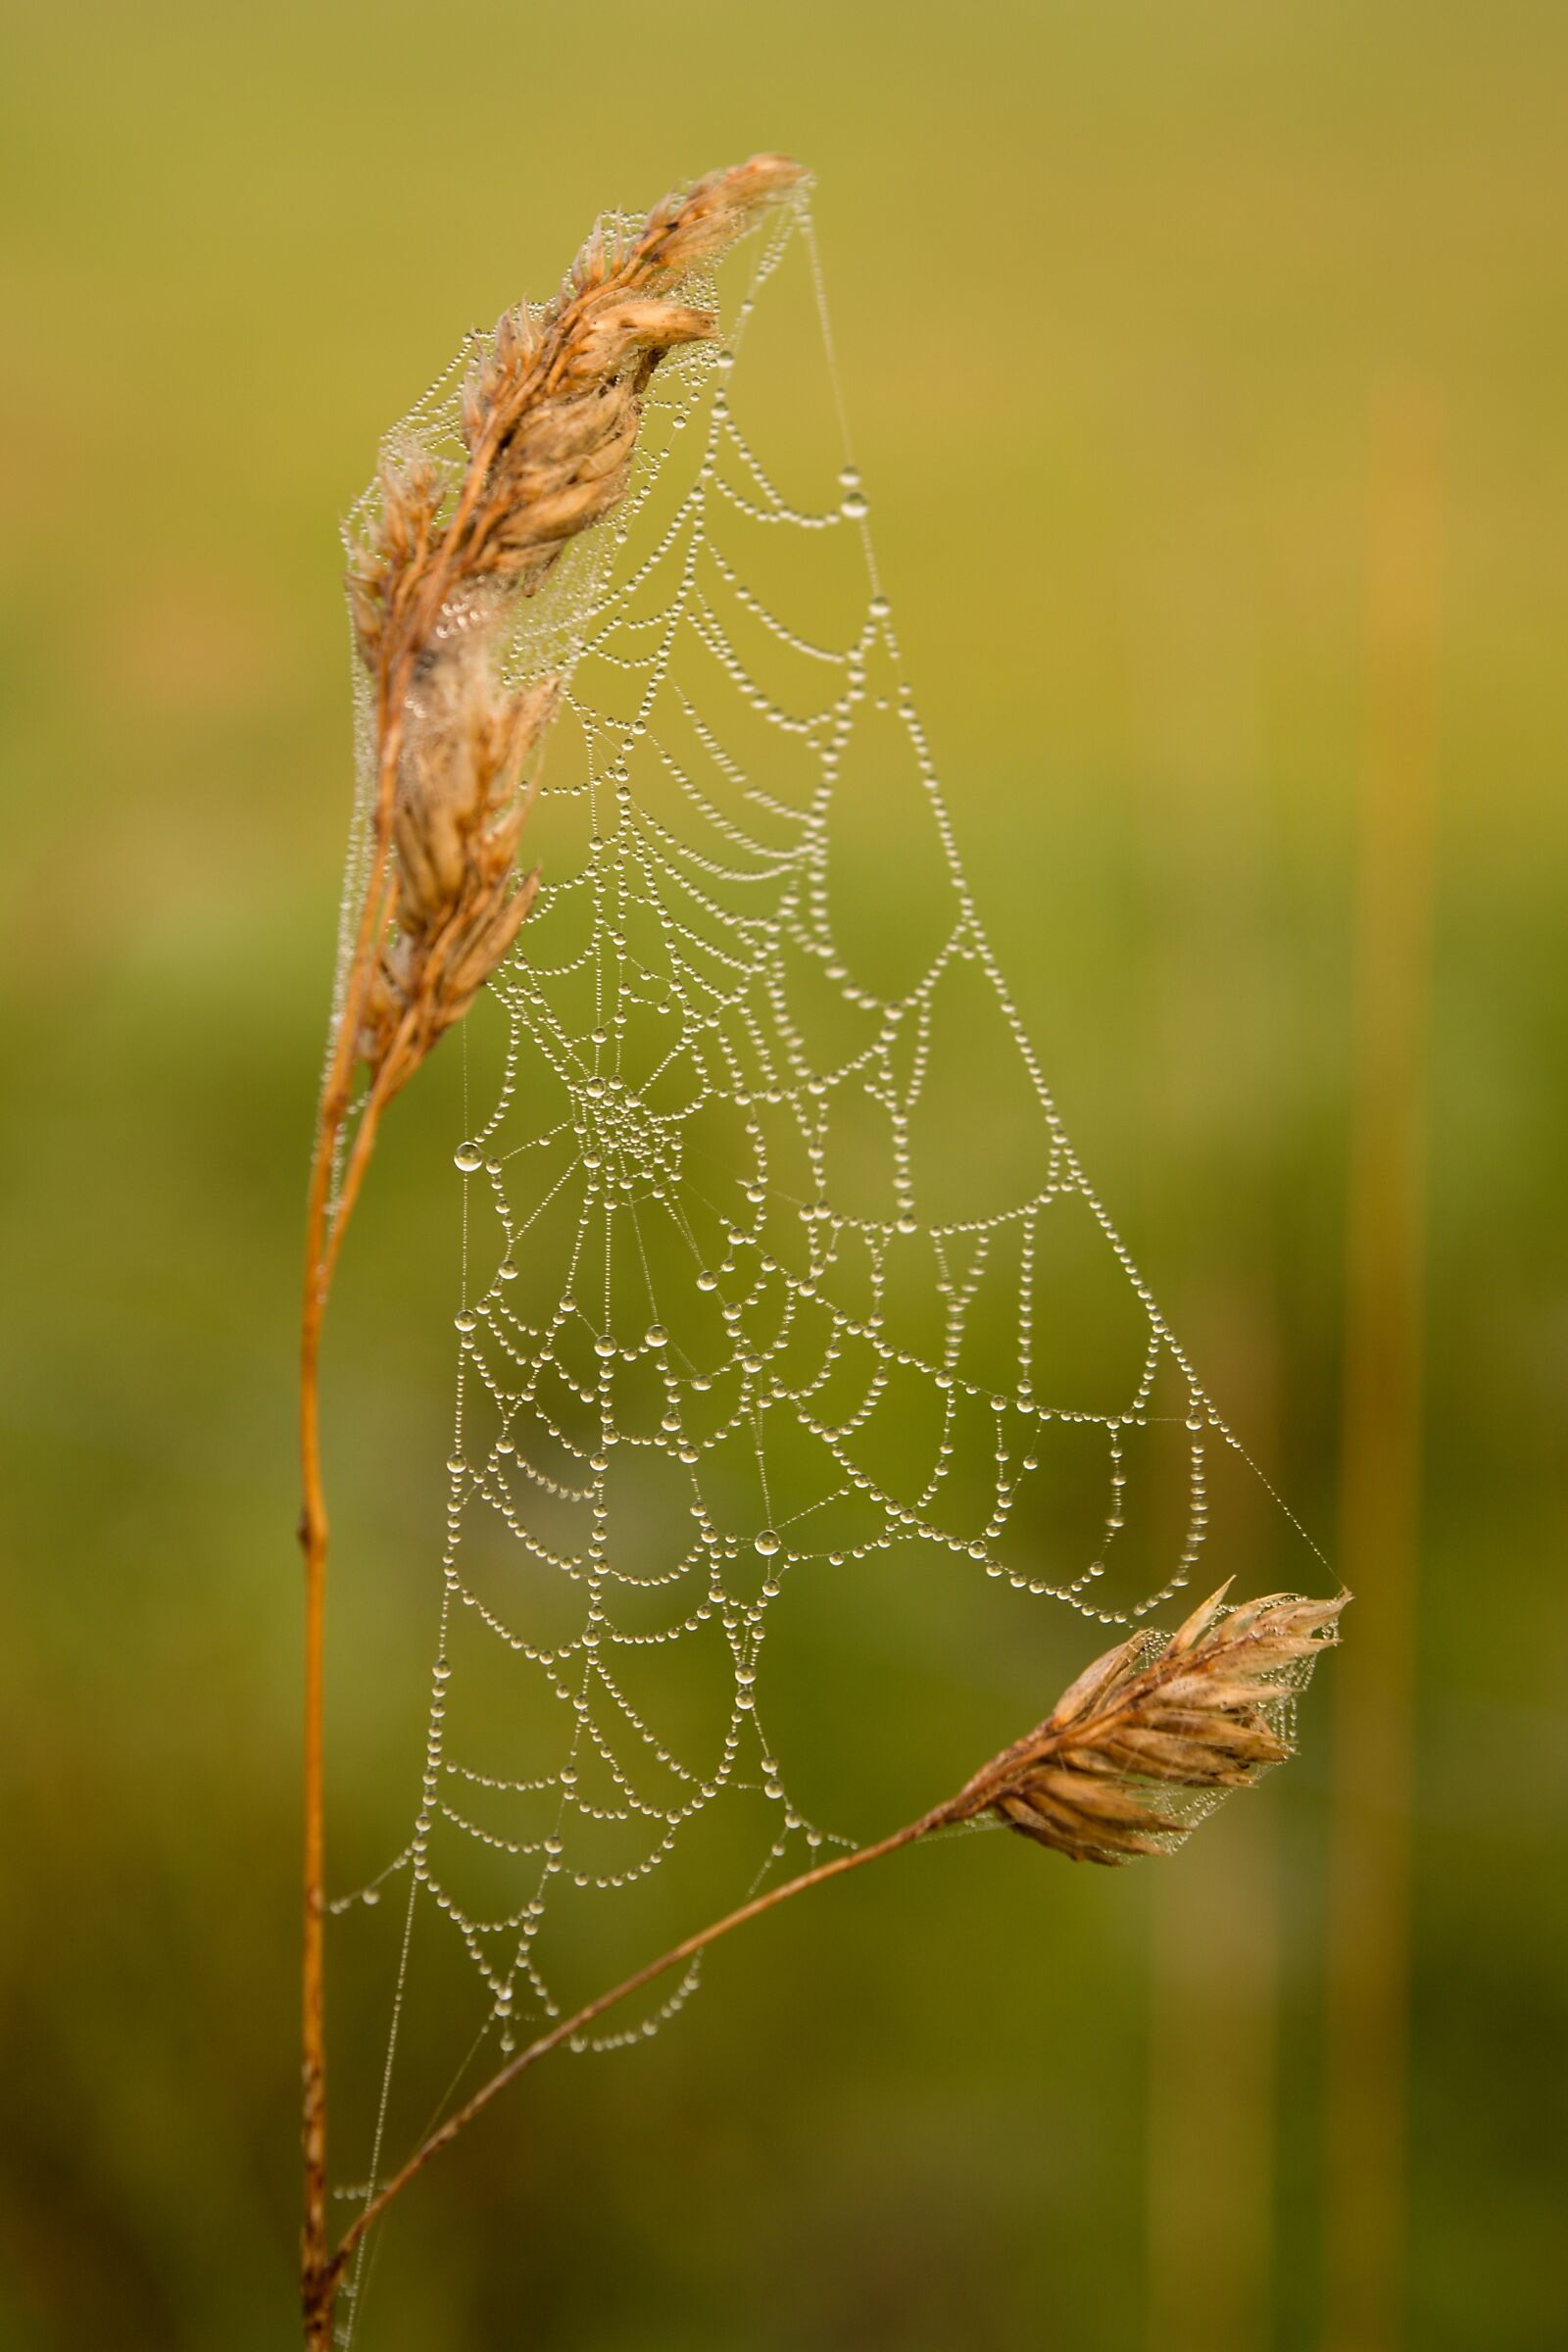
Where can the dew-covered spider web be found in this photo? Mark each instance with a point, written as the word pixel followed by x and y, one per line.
pixel 782 1279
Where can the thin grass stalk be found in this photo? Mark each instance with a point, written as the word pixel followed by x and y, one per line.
pixel 581 2019
pixel 550 420
pixel 1140 1745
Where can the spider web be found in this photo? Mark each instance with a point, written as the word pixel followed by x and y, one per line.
pixel 779 1264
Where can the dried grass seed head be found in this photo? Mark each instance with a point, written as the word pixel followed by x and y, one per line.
pixel 549 416
pixel 1151 1735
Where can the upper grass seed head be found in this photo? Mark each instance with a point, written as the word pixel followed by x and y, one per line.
pixel 551 413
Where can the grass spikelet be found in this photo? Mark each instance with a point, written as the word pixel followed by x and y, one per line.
pixel 1153 1734
pixel 550 411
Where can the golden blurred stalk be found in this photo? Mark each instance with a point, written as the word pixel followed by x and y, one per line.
pixel 1368 1959
pixel 1209 1060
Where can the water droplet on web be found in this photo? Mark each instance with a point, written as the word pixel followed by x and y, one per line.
pixel 466 1319
pixel 767 1543
pixel 506 1271
pixel 855 507
pixel 468 1158
pixel 656 1335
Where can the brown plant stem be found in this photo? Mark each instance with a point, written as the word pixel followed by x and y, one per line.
pixel 563 2030
pixel 324 1226
pixel 550 419
pixel 312 1539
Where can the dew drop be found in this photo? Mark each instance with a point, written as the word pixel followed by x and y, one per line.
pixel 767 1543
pixel 468 1158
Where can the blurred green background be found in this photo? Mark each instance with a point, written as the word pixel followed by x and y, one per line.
pixel 1120 294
